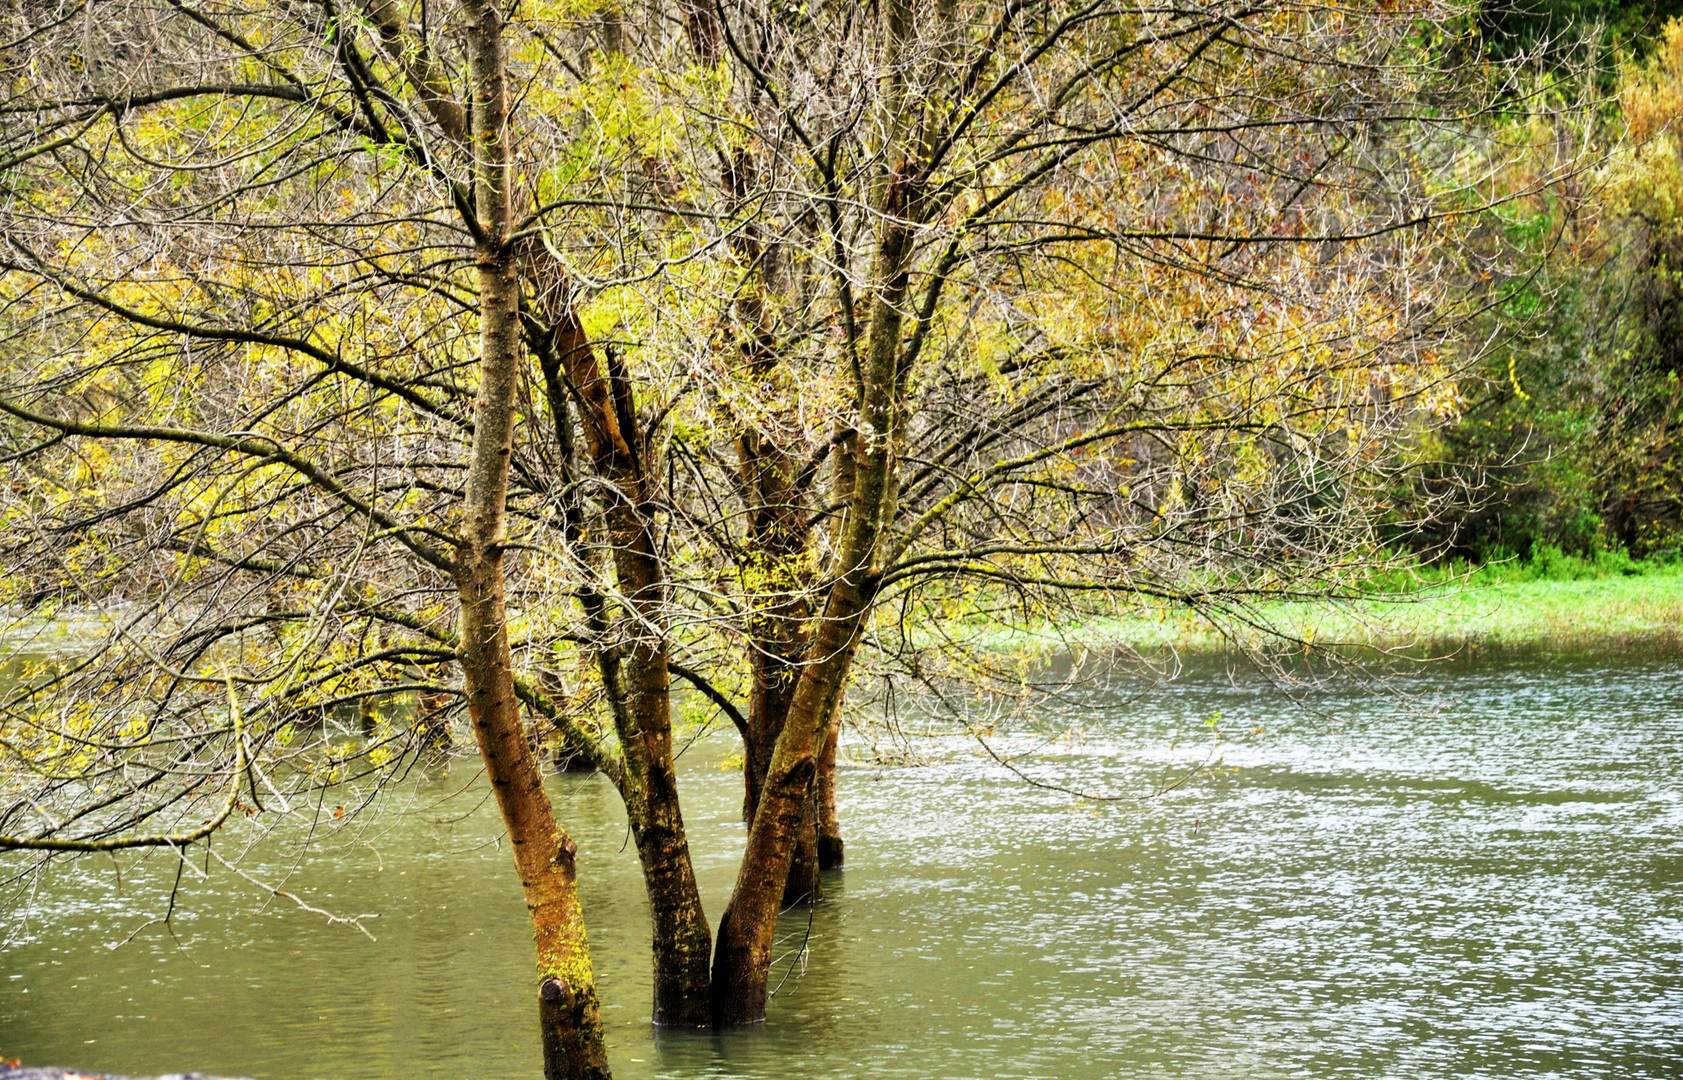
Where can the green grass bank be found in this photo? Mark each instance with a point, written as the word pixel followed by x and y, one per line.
pixel 1550 600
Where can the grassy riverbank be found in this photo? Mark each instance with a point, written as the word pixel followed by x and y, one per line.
pixel 1553 601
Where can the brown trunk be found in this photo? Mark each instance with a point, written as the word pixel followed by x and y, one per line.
pixel 775 487
pixel 769 694
pixel 682 940
pixel 830 854
pixel 766 716
pixel 543 854
pixel 803 885
pixel 830 851
pixel 786 811
pixel 778 537
pixel 742 954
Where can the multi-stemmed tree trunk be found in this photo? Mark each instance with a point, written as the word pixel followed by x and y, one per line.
pixel 634 675
pixel 786 812
pixel 742 955
pixel 787 815
pixel 777 645
pixel 776 491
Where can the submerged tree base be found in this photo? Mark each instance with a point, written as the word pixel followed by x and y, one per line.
pixel 572 1033
pixel 831 853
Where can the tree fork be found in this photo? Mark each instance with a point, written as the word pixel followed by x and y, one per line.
pixel 742 950
pixel 682 941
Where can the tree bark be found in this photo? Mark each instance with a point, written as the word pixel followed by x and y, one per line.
pixel 775 485
pixel 742 953
pixel 831 853
pixel 777 644
pixel 544 855
pixel 803 885
pixel 830 848
pixel 682 939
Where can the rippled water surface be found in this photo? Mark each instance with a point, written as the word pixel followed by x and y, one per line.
pixel 1480 879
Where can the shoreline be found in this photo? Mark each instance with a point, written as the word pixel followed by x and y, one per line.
pixel 1643 609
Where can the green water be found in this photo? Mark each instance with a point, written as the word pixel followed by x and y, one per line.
pixel 1480 879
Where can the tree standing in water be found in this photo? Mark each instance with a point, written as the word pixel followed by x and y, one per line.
pixel 246 237
pixel 592 350
pixel 944 308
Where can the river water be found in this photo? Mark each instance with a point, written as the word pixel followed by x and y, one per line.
pixel 1477 877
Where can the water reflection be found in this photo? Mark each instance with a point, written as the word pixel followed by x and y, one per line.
pixel 1480 880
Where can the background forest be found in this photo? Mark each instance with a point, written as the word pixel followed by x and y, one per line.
pixel 1569 430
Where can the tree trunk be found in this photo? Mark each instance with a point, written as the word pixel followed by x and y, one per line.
pixel 830 849
pixel 803 885
pixel 571 1024
pixel 775 674
pixel 742 954
pixel 682 940
pixel 543 854
pixel 775 485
